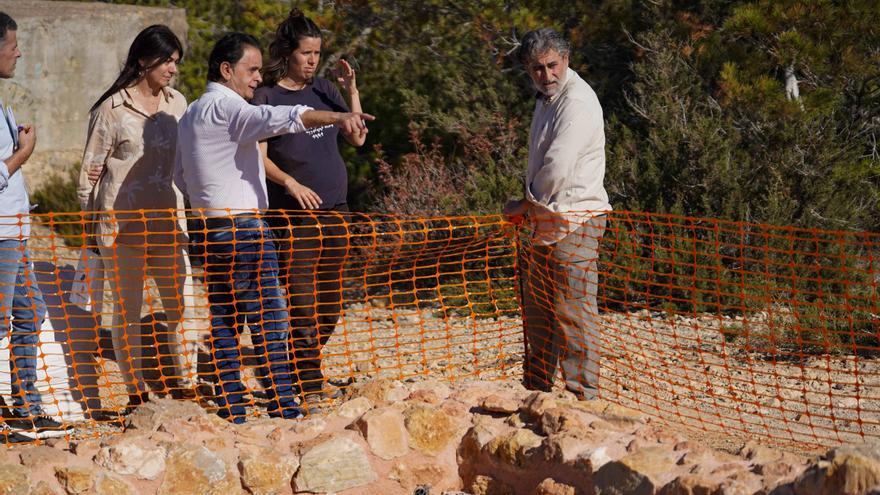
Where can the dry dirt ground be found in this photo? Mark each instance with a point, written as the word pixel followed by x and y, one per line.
pixel 678 369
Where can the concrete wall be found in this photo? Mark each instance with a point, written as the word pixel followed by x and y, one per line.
pixel 71 53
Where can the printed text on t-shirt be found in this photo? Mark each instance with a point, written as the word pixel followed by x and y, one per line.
pixel 318 132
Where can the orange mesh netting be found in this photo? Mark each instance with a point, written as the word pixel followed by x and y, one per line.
pixel 735 328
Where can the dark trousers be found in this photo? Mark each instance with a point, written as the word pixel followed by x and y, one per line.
pixel 312 247
pixel 243 287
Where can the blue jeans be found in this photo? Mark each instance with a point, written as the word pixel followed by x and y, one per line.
pixel 18 285
pixel 242 273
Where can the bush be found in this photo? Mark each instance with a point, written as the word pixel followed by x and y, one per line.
pixel 58 206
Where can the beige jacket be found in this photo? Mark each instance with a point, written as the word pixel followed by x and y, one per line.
pixel 137 152
pixel 566 173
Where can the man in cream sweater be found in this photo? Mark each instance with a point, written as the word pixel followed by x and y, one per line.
pixel 565 203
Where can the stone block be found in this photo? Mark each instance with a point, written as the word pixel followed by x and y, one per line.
pixel 550 487
pixel 384 432
pixel 266 471
pixel 76 480
pixel 847 470
pixel 515 448
pixel 14 479
pixel 335 465
pixel 195 470
pixel 430 430
pixel 354 408
pixel 499 404
pixel 642 472
pixel 132 455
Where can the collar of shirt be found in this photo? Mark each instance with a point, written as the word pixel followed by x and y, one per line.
pixel 123 97
pixel 215 87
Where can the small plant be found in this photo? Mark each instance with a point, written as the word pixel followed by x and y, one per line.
pixel 58 206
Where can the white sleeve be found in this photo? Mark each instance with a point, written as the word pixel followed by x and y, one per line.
pixel 4 176
pixel 249 123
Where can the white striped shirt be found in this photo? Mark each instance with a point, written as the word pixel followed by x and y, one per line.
pixel 218 164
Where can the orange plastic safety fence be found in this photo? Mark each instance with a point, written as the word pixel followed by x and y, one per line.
pixel 731 328
pixel 301 304
pixel 741 329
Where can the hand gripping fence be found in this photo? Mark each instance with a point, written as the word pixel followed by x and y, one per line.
pixel 727 328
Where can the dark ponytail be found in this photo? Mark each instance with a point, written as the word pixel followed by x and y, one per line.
pixel 296 27
pixel 155 44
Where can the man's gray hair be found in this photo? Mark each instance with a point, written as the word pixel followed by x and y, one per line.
pixel 538 42
pixel 6 24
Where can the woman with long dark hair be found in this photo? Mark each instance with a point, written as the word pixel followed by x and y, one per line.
pixel 127 166
pixel 307 184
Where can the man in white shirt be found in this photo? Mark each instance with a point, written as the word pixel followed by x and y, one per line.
pixel 21 303
pixel 220 168
pixel 565 203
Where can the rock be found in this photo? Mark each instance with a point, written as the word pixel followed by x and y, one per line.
pixel 430 430
pixel 14 479
pixel 195 470
pixel 778 472
pixel 354 408
pixel 745 483
pixel 335 465
pixel 550 487
pixel 486 485
pixel 266 471
pixel 561 419
pixel 425 396
pixel 382 391
pixel 411 475
pixel 758 453
pixel 620 417
pixel 516 447
pixel 847 470
pixel 498 404
pixel 258 431
pixel 645 471
pixel 41 455
pixel 310 427
pixel 86 448
pixel 42 488
pixel 518 420
pixel 154 414
pixel 111 485
pixel 473 393
pixel 566 448
pixel 385 432
pixel 537 403
pixel 690 484
pixel 473 442
pixel 75 480
pixel 437 389
pixel 715 466
pixel 604 454
pixel 397 393
pixel 136 456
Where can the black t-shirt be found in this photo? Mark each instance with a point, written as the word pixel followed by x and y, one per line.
pixel 311 157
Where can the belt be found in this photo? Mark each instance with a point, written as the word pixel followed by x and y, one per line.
pixel 218 223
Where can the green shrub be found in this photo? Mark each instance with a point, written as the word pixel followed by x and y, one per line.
pixel 58 206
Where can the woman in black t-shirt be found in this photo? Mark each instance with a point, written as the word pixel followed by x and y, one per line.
pixel 307 184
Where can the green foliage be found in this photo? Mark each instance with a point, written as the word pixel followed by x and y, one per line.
pixel 699 123
pixel 58 206
pixel 798 291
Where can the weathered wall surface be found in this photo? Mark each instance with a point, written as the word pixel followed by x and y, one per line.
pixel 71 53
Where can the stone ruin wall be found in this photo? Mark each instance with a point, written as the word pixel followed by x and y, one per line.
pixel 71 53
pixel 426 438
